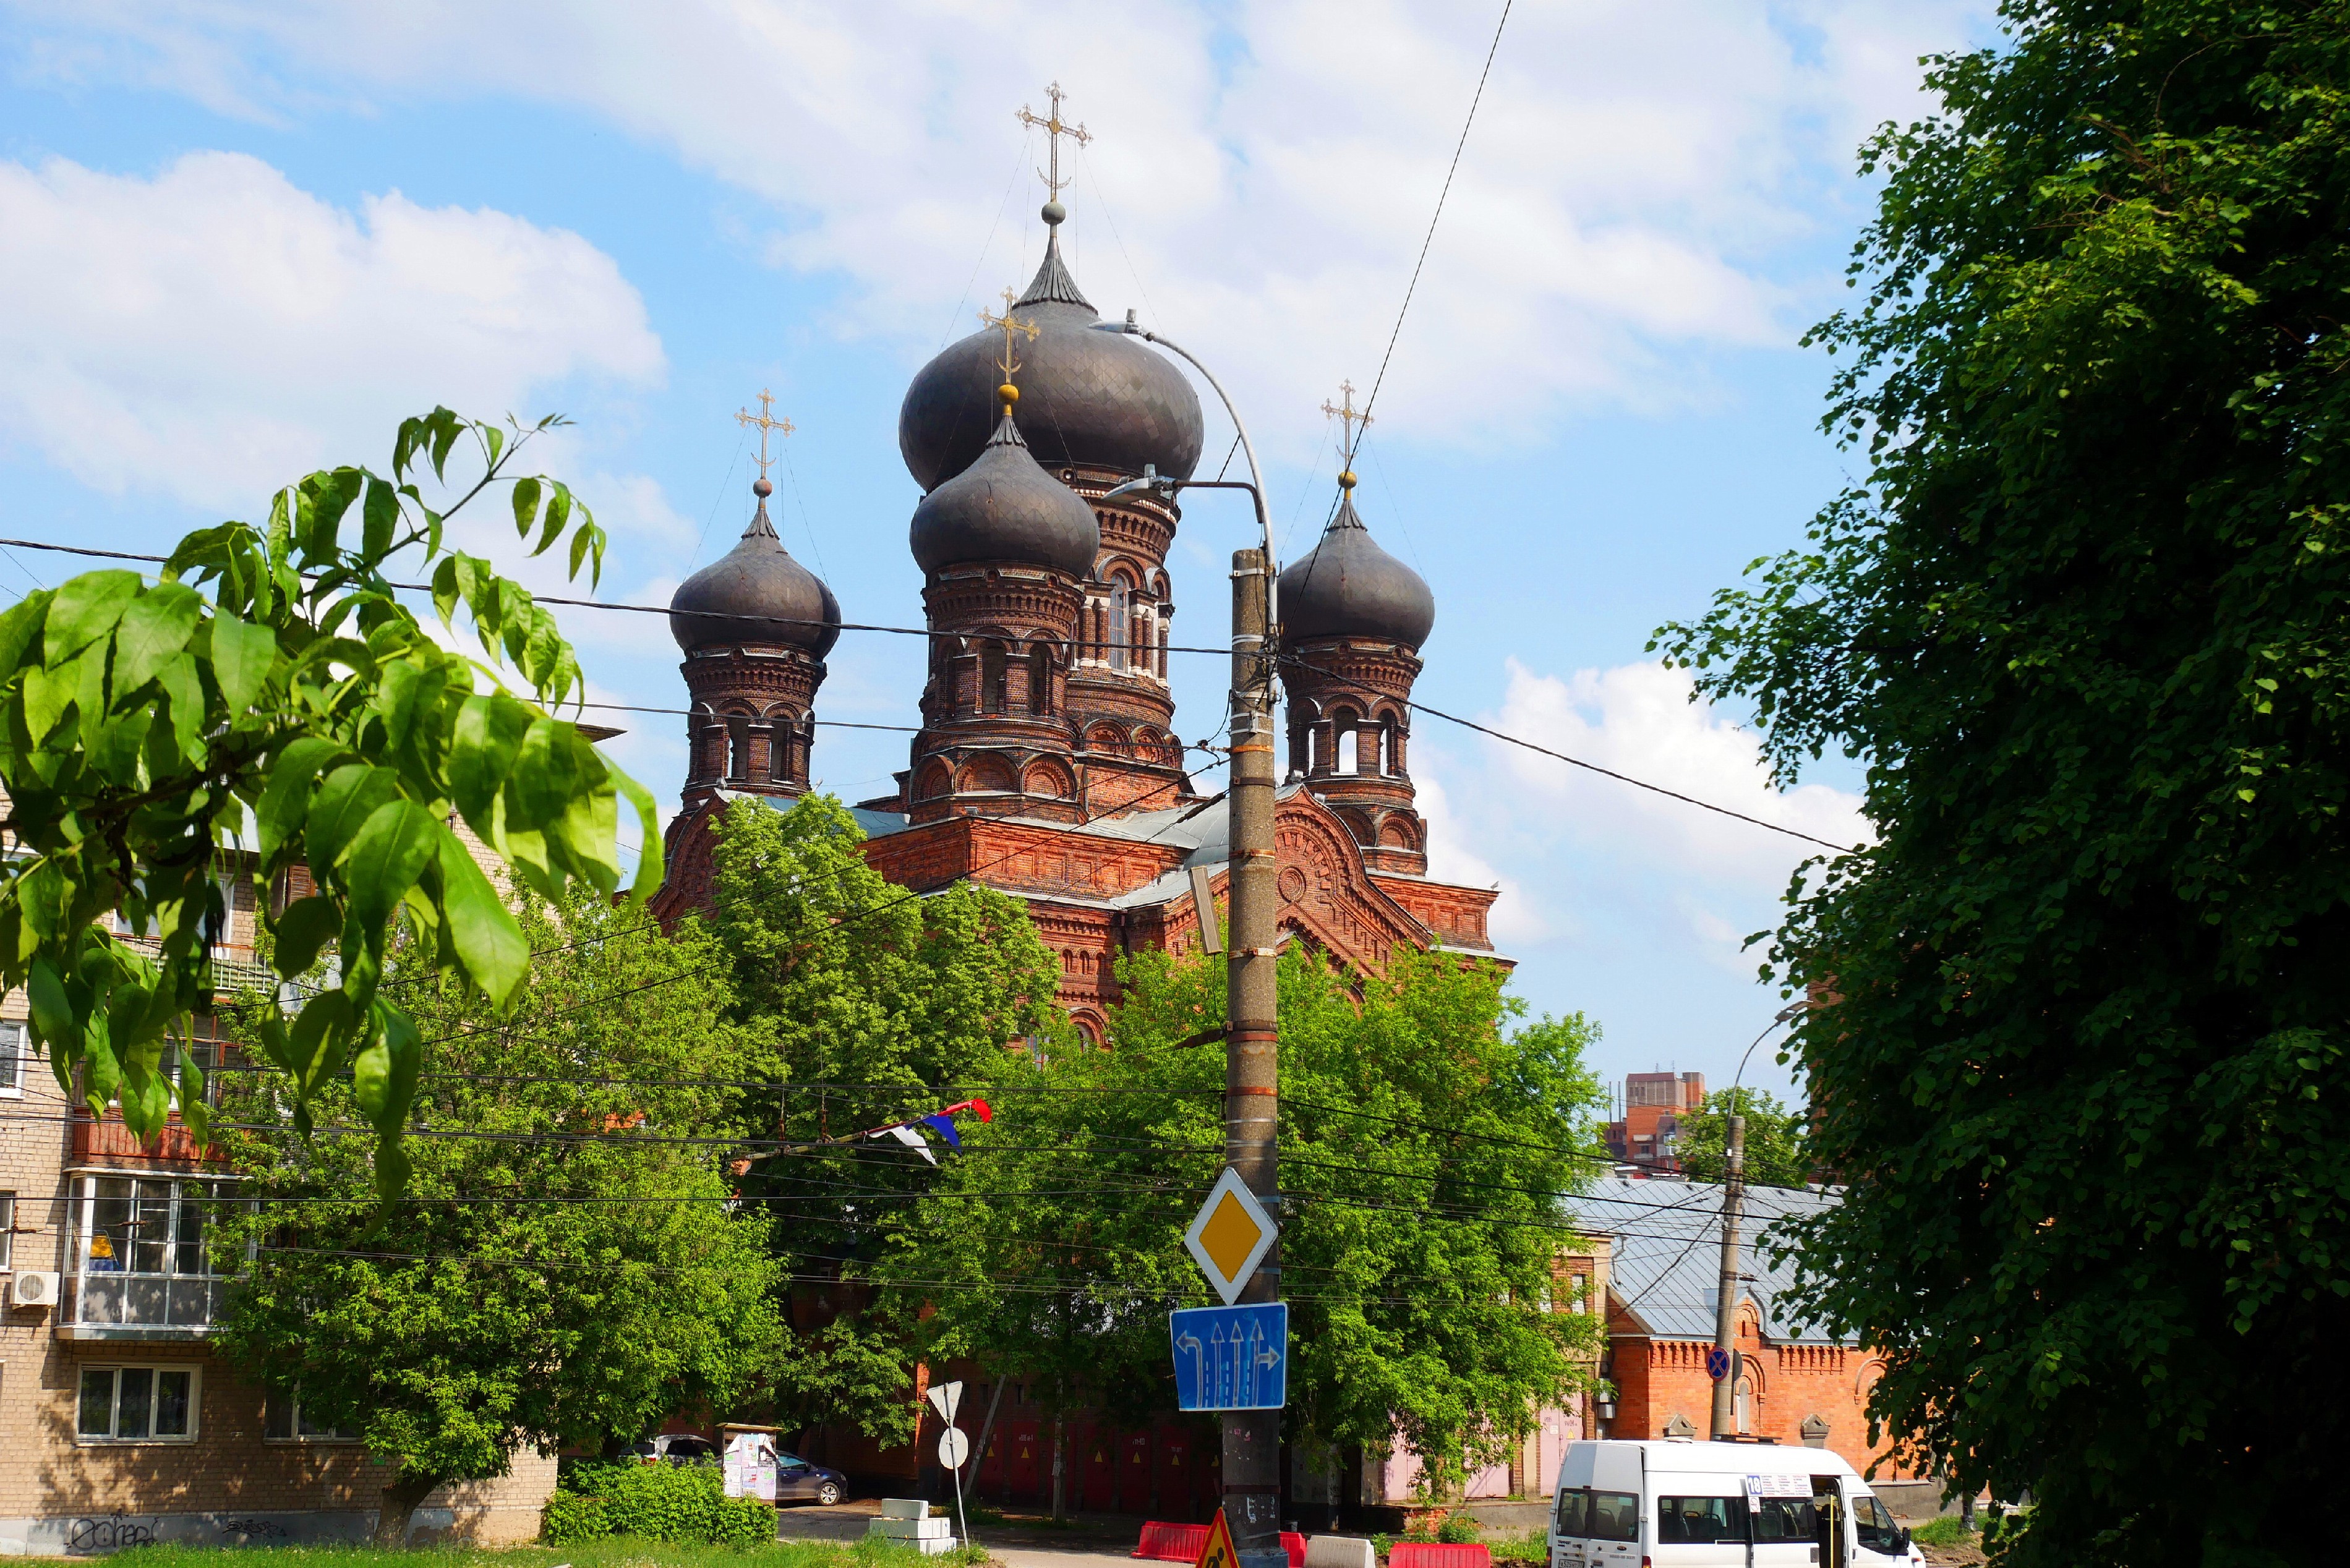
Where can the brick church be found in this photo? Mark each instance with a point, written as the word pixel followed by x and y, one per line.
pixel 1047 763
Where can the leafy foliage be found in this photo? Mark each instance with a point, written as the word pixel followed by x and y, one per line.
pixel 1424 1146
pixel 273 671
pixel 564 1268
pixel 657 1503
pixel 2082 1027
pixel 842 977
pixel 1775 1155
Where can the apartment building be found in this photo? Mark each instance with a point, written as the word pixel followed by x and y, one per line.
pixel 119 1426
pixel 1653 1105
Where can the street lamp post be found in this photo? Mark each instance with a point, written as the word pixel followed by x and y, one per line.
pixel 1252 1438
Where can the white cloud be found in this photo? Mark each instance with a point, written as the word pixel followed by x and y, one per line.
pixel 1515 921
pixel 1638 720
pixel 1262 174
pixel 214 331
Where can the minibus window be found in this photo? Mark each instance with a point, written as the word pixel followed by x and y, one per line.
pixel 1615 1516
pixel 1872 1525
pixel 1573 1504
pixel 1785 1518
pixel 1683 1519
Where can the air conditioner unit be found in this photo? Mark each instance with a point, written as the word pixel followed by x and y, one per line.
pixel 30 1289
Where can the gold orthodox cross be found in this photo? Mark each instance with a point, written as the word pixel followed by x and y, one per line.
pixel 1056 128
pixel 765 420
pixel 1011 325
pixel 1353 422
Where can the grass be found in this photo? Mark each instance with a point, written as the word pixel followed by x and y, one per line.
pixel 614 1552
pixel 1949 1530
pixel 1527 1547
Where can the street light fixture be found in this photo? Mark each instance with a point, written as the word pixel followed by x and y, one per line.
pixel 1252 1438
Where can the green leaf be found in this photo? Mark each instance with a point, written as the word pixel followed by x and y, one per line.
pixel 17 627
pixel 489 735
pixel 84 609
pixel 389 853
pixel 381 520
pixel 314 1045
pixel 558 514
pixel 545 775
pixel 525 505
pixel 154 630
pixel 648 855
pixel 393 1170
pixel 383 1073
pixel 53 1014
pixel 482 929
pixel 285 805
pixel 243 655
pixel 303 931
pixel 347 798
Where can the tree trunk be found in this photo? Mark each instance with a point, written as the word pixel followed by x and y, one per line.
pixel 401 1494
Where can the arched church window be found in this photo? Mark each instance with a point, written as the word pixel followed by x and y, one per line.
pixel 1349 752
pixel 785 736
pixel 738 737
pixel 1121 620
pixel 992 685
pixel 1040 681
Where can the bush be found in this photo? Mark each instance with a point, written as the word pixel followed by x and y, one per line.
pixel 664 1502
pixel 571 1517
pixel 1459 1529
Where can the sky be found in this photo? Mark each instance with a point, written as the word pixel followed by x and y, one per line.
pixel 240 239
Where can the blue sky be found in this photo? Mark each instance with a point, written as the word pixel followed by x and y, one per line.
pixel 240 241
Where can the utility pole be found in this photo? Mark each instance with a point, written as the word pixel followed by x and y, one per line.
pixel 1252 1459
pixel 1725 1306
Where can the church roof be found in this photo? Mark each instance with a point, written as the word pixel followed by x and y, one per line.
pixel 1003 507
pixel 1097 398
pixel 1348 586
pixel 756 577
pixel 1666 1252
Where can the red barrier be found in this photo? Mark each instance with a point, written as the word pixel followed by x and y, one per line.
pixel 1438 1554
pixel 1294 1544
pixel 1164 1542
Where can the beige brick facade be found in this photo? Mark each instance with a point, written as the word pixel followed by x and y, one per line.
pixel 224 1480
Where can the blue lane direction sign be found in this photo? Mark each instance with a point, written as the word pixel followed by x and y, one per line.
pixel 1231 1357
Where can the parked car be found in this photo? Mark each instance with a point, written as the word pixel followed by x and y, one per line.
pixel 796 1480
pixel 677 1449
pixel 1620 1504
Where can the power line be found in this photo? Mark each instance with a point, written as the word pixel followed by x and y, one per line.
pixel 1067 643
pixel 1430 237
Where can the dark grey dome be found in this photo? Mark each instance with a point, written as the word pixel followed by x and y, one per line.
pixel 1101 399
pixel 1003 507
pixel 1350 587
pixel 756 577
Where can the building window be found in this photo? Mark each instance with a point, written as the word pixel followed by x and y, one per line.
pixel 1581 1293
pixel 284 1421
pixel 138 1404
pixel 140 1252
pixel 12 1058
pixel 8 1230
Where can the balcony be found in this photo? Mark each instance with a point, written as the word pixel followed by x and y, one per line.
pixel 138 1255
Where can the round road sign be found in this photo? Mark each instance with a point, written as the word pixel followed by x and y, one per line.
pixel 1717 1363
pixel 954 1446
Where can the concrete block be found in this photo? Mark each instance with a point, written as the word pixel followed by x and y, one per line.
pixel 1340 1552
pixel 911 1529
pixel 904 1508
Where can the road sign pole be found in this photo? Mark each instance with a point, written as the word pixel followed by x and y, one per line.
pixel 1251 1445
pixel 1724 1421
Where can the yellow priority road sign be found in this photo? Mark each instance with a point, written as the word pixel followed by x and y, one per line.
pixel 1218 1553
pixel 1229 1235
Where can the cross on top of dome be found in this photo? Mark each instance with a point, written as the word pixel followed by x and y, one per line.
pixel 1054 129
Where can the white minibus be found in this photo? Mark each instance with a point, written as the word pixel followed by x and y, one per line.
pixel 1679 1503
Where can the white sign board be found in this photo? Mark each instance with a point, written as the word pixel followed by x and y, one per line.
pixel 751 1466
pixel 1779 1486
pixel 947 1398
pixel 954 1446
pixel 1231 1235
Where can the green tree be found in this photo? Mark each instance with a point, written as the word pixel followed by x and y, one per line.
pixel 866 1002
pixel 273 674
pixel 1775 1155
pixel 1424 1145
pixel 565 1265
pixel 2081 1036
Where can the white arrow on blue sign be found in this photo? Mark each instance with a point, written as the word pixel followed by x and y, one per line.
pixel 1231 1357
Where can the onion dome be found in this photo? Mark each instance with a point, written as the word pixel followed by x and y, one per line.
pixel 756 577
pixel 1350 587
pixel 1003 507
pixel 1104 399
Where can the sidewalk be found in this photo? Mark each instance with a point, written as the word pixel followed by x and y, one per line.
pixel 1089 1540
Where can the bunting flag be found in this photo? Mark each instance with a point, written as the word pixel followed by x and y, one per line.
pixel 942 1122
